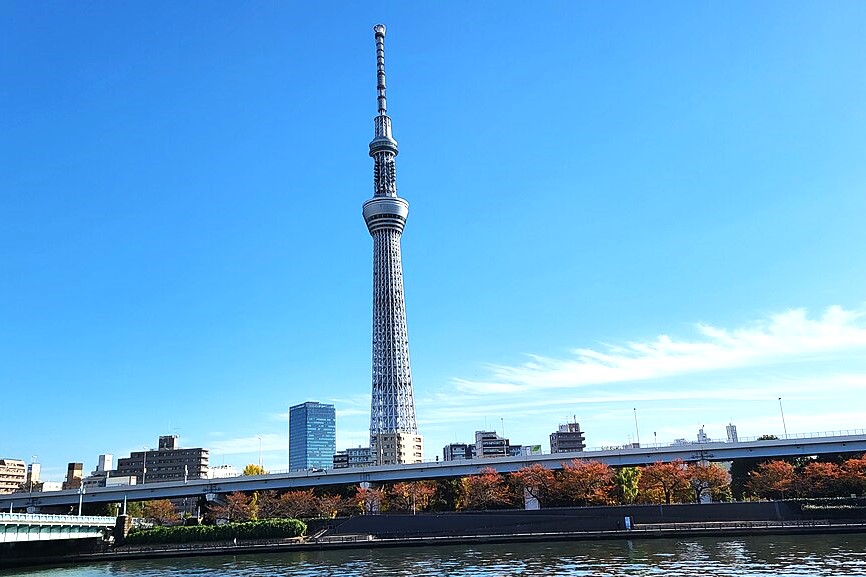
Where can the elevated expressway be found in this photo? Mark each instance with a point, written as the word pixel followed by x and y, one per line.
pixel 712 451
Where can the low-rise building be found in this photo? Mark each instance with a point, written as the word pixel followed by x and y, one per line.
pixel 353 457
pixel 222 472
pixel 488 444
pixel 458 452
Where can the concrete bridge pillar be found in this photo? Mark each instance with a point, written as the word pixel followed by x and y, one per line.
pixel 121 528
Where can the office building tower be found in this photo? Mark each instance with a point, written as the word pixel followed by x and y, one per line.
pixel 312 436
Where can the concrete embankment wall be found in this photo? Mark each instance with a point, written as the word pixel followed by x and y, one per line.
pixel 570 519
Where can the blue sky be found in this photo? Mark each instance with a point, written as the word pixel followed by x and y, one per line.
pixel 614 207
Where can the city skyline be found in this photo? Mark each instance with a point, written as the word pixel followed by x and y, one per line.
pixel 618 212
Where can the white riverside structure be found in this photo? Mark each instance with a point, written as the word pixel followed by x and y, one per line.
pixel 393 430
pixel 713 451
pixel 23 527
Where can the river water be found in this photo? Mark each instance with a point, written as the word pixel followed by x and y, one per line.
pixel 770 556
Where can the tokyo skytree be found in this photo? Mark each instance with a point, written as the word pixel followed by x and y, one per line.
pixel 393 431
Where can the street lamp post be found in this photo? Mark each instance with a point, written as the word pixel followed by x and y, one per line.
pixel 636 431
pixel 144 467
pixel 32 461
pixel 80 497
pixel 260 451
pixel 784 427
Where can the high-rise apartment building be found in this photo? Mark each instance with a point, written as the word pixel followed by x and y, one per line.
pixel 568 439
pixel 312 436
pixel 394 434
pixel 13 472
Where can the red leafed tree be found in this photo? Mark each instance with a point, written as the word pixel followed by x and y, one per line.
pixel 854 475
pixel 369 500
pixel 820 480
pixel 329 506
pixel 771 480
pixel 411 495
pixel 238 507
pixel 665 482
pixel 706 479
pixel 487 490
pixel 299 504
pixel 160 511
pixel 538 481
pixel 268 505
pixel 586 482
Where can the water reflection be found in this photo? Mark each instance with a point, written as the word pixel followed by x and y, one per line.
pixel 731 557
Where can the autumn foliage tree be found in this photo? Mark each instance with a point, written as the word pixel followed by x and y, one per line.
pixel 586 482
pixel 820 480
pixel 853 475
pixel 238 507
pixel 707 479
pixel 253 469
pixel 664 482
pixel 411 495
pixel 369 500
pixel 771 480
pixel 160 511
pixel 487 490
pixel 329 506
pixel 538 481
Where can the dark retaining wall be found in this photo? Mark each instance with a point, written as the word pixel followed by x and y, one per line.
pixel 558 520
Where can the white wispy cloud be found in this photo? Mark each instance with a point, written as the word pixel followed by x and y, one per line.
pixel 791 336
pixel 248 445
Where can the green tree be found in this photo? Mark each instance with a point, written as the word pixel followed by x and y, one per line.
pixel 446 496
pixel 626 480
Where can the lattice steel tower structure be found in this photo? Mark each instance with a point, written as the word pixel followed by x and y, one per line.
pixel 393 431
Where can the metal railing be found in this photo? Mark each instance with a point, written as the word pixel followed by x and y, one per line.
pixel 44 519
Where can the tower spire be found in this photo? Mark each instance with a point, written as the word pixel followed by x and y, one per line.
pixel 379 29
pixel 394 434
